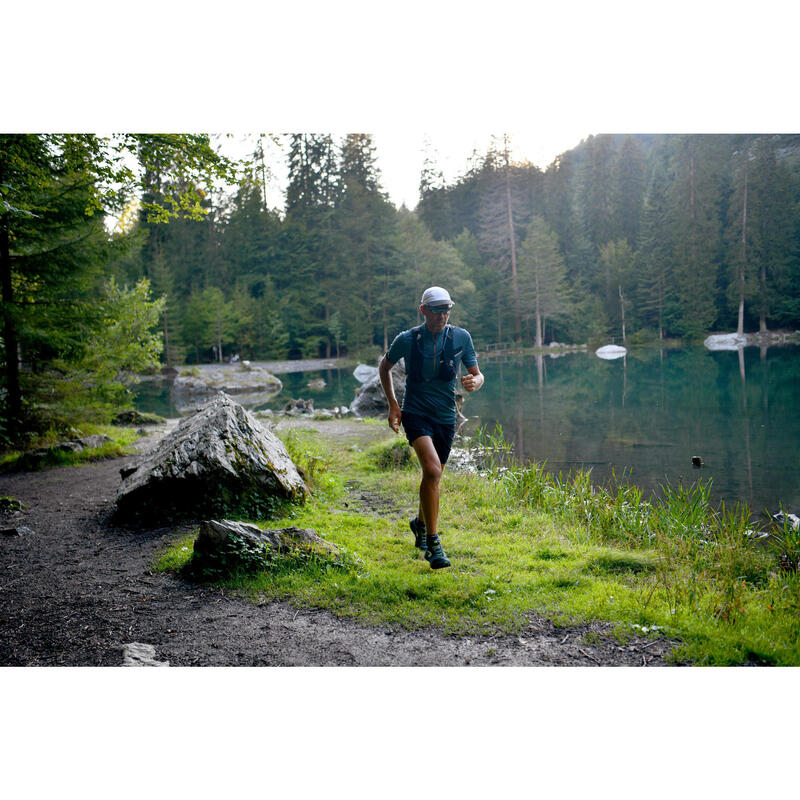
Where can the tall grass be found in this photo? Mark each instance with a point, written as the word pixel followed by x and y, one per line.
pixel 523 540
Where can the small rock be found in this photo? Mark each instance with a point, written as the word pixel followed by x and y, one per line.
pixel 137 654
pixel 697 461
pixel 20 530
pixel 792 519
pixel 97 440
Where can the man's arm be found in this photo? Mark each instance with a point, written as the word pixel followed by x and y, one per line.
pixel 473 380
pixel 384 372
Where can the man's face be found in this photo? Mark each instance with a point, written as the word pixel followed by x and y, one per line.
pixel 435 320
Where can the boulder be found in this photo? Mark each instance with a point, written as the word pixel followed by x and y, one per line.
pixel 370 401
pixel 214 534
pixel 363 373
pixel 241 378
pixel 219 458
pixel 725 341
pixel 790 520
pixel 133 417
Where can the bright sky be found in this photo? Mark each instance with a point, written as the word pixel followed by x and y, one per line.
pixel 400 155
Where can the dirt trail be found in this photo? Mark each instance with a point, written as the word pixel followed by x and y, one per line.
pixel 79 588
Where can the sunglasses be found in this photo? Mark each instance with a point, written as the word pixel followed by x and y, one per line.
pixel 439 309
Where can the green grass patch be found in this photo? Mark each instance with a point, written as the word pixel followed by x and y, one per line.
pixel 121 440
pixel 521 541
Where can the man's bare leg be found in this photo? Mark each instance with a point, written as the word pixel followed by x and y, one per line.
pixel 429 485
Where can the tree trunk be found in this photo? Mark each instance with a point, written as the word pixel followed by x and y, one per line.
pixel 517 321
pixel 740 323
pixel 10 338
pixel 538 308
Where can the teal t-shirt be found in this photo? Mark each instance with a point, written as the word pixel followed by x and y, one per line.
pixel 433 398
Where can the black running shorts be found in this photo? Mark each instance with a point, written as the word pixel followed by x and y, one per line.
pixel 416 425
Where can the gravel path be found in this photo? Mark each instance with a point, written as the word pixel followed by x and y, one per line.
pixel 79 588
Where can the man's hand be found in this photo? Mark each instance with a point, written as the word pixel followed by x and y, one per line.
pixel 472 381
pixel 394 417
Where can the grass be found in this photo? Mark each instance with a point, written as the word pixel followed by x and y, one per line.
pixel 521 541
pixel 121 439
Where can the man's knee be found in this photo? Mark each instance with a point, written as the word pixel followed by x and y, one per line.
pixel 432 469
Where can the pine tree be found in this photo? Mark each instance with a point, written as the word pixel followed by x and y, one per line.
pixel 365 229
pixel 695 231
pixel 629 189
pixel 543 283
pixel 501 223
pixel 619 261
pixel 656 285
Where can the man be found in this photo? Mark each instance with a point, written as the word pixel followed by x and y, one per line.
pixel 433 353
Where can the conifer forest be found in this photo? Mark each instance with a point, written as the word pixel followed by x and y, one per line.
pixel 121 253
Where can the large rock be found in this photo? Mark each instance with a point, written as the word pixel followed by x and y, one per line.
pixel 243 378
pixel 224 547
pixel 219 458
pixel 213 535
pixel 370 401
pixel 363 373
pixel 725 341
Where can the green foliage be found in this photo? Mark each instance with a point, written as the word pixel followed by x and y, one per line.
pixel 55 456
pixel 10 504
pixel 310 460
pixel 522 541
pixel 63 332
pixel 395 454
pixel 236 557
pixel 785 541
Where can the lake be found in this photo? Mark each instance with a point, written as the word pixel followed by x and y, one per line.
pixel 647 415
pixel 642 417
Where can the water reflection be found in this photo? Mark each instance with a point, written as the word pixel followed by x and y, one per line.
pixel 647 414
pixel 642 416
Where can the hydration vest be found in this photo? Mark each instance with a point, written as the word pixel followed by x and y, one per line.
pixel 447 368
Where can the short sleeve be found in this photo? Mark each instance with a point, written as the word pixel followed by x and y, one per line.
pixel 397 350
pixel 468 358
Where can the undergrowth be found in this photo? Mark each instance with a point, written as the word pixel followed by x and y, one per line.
pixel 523 540
pixel 21 460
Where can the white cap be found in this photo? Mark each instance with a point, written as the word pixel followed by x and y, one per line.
pixel 436 296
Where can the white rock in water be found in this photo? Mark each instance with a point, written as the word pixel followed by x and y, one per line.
pixel 725 341
pixel 610 351
pixel 363 373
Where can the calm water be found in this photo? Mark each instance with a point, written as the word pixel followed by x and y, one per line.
pixel 643 416
pixel 339 390
pixel 646 415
